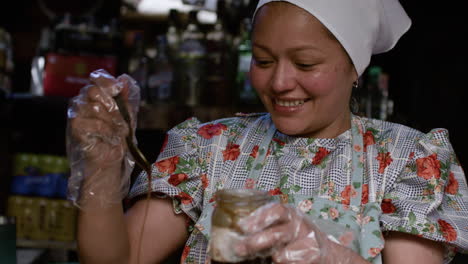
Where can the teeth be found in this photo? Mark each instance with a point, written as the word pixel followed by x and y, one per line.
pixel 289 103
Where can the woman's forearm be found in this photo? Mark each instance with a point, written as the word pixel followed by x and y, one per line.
pixel 102 236
pixel 102 233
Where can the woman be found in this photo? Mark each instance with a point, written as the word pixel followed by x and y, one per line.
pixel 386 182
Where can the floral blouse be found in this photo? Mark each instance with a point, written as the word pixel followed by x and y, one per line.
pixel 415 177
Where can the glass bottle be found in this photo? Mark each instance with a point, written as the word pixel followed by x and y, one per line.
pixel 138 64
pixel 39 61
pixel 219 77
pixel 6 61
pixel 161 74
pixel 376 101
pixel 246 93
pixel 173 34
pixel 231 206
pixel 190 69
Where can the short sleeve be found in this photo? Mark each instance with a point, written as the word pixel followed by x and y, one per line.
pixel 176 173
pixel 430 196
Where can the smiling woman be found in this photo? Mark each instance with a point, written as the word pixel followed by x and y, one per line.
pixel 347 189
pixel 303 78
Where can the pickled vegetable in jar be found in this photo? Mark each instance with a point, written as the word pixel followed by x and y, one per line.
pixel 231 206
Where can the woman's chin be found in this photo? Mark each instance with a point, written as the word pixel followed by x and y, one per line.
pixel 290 127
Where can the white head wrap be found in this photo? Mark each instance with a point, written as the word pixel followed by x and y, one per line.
pixel 363 27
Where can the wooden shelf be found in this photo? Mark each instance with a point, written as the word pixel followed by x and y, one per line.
pixel 25 243
pixel 161 116
pixel 166 116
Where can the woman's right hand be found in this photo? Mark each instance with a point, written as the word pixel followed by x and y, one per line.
pixel 96 138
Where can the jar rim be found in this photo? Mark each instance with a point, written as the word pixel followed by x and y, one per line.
pixel 242 194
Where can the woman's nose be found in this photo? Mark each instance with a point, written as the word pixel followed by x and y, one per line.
pixel 283 78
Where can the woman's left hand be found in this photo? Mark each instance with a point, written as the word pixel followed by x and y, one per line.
pixel 290 237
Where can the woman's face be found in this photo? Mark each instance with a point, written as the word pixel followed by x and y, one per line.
pixel 301 72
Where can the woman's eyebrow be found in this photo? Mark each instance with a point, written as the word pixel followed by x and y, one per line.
pixel 292 49
pixel 260 46
pixel 304 47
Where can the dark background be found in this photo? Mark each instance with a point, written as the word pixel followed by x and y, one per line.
pixel 427 68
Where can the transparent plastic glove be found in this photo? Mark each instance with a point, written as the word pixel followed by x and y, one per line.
pixel 289 236
pixel 99 161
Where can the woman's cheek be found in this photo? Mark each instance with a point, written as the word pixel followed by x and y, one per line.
pixel 258 78
pixel 317 84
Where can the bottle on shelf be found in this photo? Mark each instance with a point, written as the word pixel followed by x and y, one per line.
pixel 138 64
pixel 39 62
pixel 173 34
pixel 190 63
pixel 64 31
pixel 6 61
pixel 160 74
pixel 375 101
pixel 246 93
pixel 220 68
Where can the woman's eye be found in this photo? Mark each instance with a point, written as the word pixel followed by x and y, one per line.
pixel 262 63
pixel 304 65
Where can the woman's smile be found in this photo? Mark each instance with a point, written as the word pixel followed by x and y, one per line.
pixel 283 105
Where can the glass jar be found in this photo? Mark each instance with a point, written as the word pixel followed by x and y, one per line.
pixel 231 206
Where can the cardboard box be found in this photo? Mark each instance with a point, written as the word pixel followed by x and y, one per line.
pixel 65 75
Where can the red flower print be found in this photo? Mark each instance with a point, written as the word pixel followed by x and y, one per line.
pixel 365 194
pixel 210 130
pixel 254 152
pixel 428 167
pixel 374 251
pixel 368 139
pixel 164 144
pixel 452 186
pixel 387 206
pixel 231 152
pixel 347 193
pixel 184 254
pixel 178 178
pixel 411 155
pixel 449 233
pixel 213 198
pixel 168 165
pixel 275 191
pixel 320 155
pixel 384 160
pixel 204 180
pixel 184 198
pixel 249 183
pixel 281 143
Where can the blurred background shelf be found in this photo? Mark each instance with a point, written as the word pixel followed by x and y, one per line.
pixel 46 244
pixel 426 74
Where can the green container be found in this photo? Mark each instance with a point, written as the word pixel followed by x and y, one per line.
pixel 7 240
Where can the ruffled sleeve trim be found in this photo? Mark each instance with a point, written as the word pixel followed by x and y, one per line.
pixel 430 196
